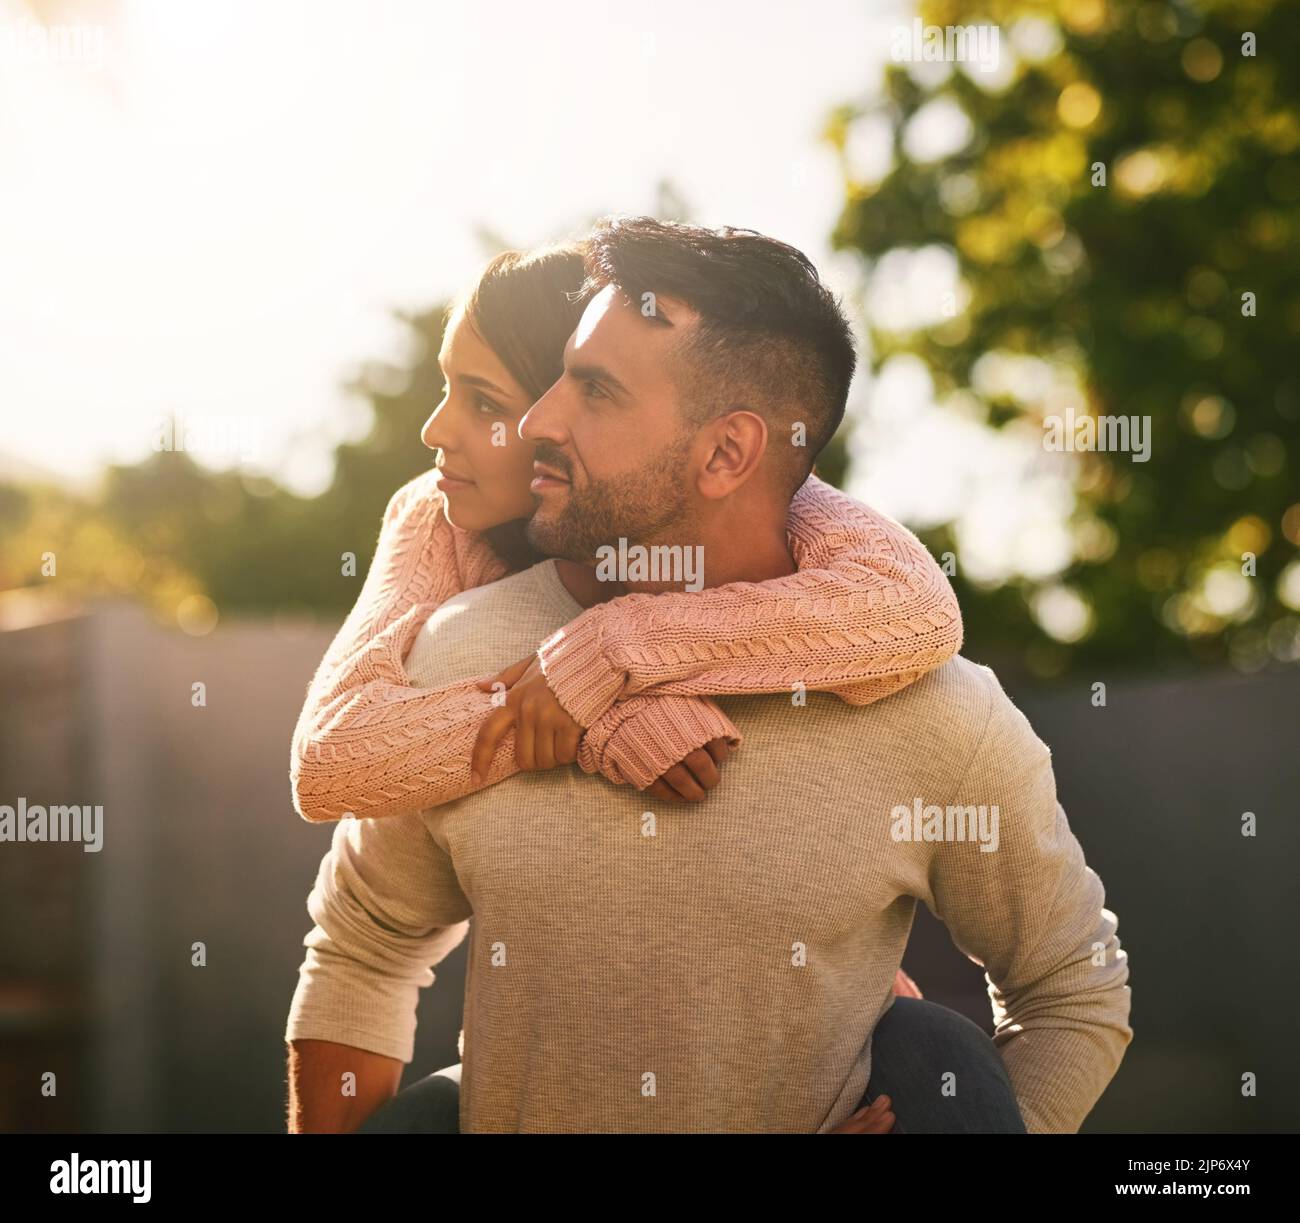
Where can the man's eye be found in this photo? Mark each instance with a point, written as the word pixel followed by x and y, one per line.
pixel 594 390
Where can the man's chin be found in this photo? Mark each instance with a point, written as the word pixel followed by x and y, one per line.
pixel 541 532
pixel 551 536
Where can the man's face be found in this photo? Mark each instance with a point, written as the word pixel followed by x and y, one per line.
pixel 613 455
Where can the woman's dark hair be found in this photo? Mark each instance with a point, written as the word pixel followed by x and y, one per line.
pixel 771 336
pixel 524 308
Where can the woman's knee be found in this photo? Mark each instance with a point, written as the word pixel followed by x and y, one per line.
pixel 942 1070
pixel 919 1020
pixel 431 1105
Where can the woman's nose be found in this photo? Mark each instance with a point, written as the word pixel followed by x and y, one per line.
pixel 435 431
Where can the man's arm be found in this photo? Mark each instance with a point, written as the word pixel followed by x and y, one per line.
pixel 387 906
pixel 1031 912
pixel 317 1102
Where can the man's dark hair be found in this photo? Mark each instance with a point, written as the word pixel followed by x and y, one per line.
pixel 771 337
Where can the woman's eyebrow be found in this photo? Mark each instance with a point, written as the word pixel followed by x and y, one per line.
pixel 477 380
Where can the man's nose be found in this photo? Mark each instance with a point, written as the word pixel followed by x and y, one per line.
pixel 543 421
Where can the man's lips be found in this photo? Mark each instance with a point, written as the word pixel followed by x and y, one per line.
pixel 545 477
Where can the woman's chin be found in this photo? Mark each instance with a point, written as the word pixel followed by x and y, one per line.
pixel 465 510
pixel 458 511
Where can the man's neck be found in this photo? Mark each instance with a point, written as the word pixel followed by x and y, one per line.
pixel 739 559
pixel 581 582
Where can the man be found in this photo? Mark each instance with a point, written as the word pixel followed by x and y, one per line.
pixel 640 967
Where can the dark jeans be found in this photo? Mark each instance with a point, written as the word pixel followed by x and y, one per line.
pixel 916 1049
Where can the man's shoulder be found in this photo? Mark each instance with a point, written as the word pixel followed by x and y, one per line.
pixel 958 691
pixel 485 628
pixel 960 679
pixel 960 705
pixel 968 697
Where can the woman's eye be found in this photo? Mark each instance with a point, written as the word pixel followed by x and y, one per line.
pixel 486 406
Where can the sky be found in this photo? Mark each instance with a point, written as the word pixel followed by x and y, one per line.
pixel 211 211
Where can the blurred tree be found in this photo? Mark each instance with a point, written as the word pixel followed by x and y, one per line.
pixel 172 532
pixel 254 546
pixel 54 539
pixel 1133 177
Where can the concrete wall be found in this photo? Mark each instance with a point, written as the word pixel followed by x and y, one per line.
pixel 202 845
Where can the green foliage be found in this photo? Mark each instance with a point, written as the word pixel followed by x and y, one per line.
pixel 1135 286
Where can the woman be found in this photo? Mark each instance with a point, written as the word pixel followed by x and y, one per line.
pixel 370 744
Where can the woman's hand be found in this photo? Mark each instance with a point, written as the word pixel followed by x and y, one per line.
pixel 545 735
pixel 905 987
pixel 875 1119
pixel 690 780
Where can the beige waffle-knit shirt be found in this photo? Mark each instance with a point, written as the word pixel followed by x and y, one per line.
pixel 636 966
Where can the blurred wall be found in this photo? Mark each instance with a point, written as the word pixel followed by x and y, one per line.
pixel 201 844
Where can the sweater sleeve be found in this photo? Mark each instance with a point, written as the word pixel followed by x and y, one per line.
pixel 417 561
pixel 1031 912
pixel 868 612
pixel 638 740
pixel 361 714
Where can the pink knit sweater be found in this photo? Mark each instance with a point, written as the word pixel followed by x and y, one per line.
pixel 868 612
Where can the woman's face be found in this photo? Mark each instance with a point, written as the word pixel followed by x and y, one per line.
pixel 486 467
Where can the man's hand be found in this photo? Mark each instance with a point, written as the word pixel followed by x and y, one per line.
pixel 545 735
pixel 690 780
pixel 876 1119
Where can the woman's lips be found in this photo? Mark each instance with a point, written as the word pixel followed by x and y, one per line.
pixel 452 484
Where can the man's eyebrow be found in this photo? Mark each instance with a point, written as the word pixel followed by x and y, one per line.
pixel 596 373
pixel 660 316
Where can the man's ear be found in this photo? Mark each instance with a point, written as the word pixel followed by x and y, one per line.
pixel 734 447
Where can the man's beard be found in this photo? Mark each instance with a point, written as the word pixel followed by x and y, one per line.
pixel 638 506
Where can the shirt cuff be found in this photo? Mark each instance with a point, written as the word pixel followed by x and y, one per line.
pixel 366 1012
pixel 577 671
pixel 307 1028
